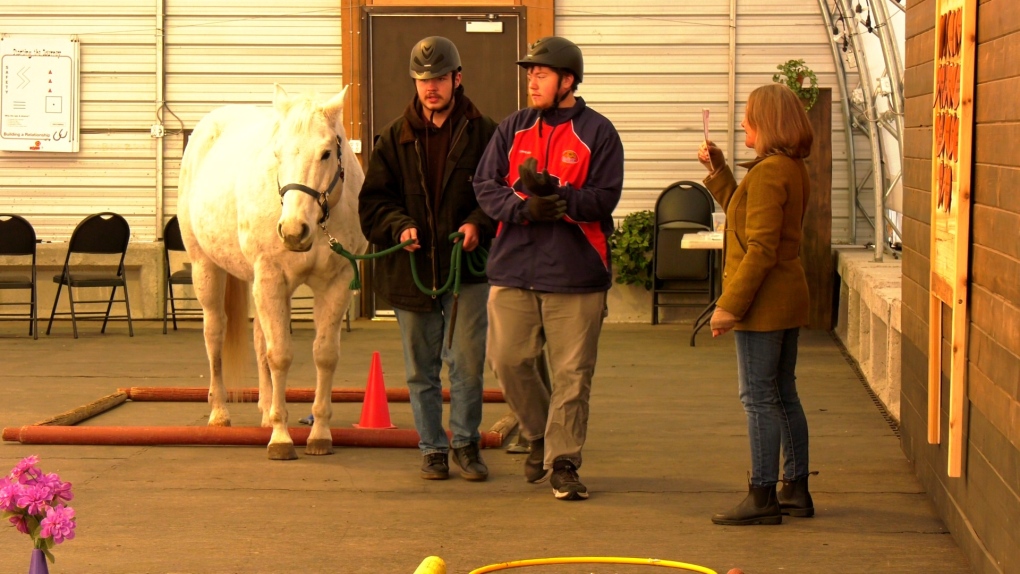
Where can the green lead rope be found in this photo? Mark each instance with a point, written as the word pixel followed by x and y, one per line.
pixel 475 264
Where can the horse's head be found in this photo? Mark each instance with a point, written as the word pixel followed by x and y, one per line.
pixel 308 143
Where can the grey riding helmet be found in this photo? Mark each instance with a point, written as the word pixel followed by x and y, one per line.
pixel 555 52
pixel 433 57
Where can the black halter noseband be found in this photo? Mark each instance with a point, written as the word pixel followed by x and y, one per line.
pixel 321 198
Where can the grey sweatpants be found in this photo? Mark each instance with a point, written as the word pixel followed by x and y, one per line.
pixel 521 322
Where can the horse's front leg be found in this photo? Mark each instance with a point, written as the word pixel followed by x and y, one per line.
pixel 210 286
pixel 265 376
pixel 330 305
pixel 272 303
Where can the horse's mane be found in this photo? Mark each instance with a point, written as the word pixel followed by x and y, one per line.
pixel 299 112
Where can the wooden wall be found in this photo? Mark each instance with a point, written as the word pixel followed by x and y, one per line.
pixel 816 245
pixel 982 507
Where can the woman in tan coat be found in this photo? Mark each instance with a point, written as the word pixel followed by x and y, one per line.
pixel 765 297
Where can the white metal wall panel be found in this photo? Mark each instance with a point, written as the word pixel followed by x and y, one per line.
pixel 652 65
pixel 114 169
pixel 233 51
pixel 215 53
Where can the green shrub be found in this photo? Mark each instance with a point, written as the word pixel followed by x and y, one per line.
pixel 631 245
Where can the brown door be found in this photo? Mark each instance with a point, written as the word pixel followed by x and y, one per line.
pixel 489 42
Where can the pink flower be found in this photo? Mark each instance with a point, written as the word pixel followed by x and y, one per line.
pixel 63 492
pixel 8 492
pixel 18 521
pixel 34 499
pixel 54 487
pixel 34 503
pixel 26 466
pixel 59 523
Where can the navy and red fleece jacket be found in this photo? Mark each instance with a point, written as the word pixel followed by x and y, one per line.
pixel 584 155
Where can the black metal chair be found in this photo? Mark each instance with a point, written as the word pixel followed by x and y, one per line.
pixel 173 243
pixel 105 236
pixel 683 207
pixel 17 239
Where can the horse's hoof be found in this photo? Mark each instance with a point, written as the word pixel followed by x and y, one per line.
pixel 283 451
pixel 219 422
pixel 319 446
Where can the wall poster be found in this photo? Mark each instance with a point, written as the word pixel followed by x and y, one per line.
pixel 39 94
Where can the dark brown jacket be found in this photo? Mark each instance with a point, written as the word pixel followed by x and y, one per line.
pixel 763 279
pixel 395 197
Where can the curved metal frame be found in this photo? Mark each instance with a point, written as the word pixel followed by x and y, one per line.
pixel 866 120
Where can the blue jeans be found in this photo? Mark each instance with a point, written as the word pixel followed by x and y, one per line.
pixel 424 336
pixel 768 389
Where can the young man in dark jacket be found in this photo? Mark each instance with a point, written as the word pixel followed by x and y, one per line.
pixel 551 177
pixel 418 187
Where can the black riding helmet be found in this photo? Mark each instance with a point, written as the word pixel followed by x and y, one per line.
pixel 433 57
pixel 555 52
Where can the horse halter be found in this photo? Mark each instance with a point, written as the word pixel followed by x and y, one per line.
pixel 321 198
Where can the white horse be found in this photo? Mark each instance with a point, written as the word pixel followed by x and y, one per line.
pixel 255 184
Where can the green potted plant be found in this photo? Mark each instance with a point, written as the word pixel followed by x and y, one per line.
pixel 631 245
pixel 793 73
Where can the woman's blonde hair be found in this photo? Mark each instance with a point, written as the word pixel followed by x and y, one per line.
pixel 777 114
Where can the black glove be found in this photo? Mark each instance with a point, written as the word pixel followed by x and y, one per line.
pixel 536 183
pixel 545 209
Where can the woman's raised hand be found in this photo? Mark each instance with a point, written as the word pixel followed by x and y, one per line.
pixel 711 157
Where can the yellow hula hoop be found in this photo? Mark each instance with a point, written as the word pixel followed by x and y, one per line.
pixel 593 560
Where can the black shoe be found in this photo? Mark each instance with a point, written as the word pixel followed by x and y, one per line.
pixel 565 482
pixel 470 462
pixel 435 467
pixel 760 507
pixel 794 498
pixel 533 465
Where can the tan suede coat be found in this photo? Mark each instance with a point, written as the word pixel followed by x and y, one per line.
pixel 763 279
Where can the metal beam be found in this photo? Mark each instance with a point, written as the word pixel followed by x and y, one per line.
pixel 844 94
pixel 864 117
pixel 871 121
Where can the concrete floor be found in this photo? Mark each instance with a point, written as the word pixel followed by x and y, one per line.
pixel 666 448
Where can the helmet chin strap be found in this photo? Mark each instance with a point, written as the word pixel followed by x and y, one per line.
pixel 446 108
pixel 432 114
pixel 559 84
pixel 558 99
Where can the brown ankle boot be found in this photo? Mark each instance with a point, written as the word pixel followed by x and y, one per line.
pixel 760 507
pixel 794 498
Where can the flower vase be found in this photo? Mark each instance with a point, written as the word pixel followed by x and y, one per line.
pixel 38 564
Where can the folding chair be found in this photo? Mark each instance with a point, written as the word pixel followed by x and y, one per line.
pixel 173 244
pixel 105 236
pixel 683 207
pixel 17 239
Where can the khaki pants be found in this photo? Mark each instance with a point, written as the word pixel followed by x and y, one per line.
pixel 521 322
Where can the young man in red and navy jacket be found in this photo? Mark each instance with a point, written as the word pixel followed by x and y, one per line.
pixel 551 177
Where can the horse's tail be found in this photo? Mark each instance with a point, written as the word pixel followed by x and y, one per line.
pixel 236 342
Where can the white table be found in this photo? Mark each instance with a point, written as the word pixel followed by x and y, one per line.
pixel 702 240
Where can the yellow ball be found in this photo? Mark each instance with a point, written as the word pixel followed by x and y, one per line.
pixel 431 565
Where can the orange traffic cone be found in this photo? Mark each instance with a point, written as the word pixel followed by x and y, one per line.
pixel 375 411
